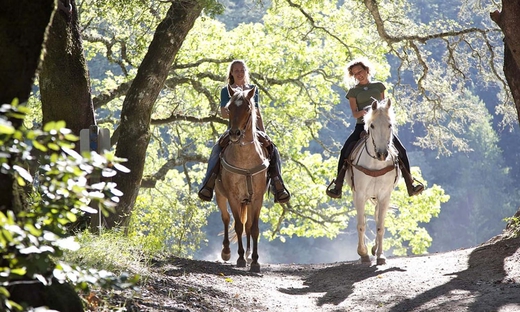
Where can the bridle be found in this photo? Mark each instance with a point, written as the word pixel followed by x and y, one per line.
pixel 373 143
pixel 243 130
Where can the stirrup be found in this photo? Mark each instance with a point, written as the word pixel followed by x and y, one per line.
pixel 332 191
pixel 416 189
pixel 282 196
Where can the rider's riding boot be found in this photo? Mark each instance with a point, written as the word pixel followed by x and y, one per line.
pixel 335 192
pixel 206 192
pixel 408 179
pixel 281 194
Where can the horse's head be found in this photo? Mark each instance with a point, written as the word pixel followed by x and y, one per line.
pixel 379 123
pixel 242 113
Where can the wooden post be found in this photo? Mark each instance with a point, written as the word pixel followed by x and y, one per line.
pixel 98 140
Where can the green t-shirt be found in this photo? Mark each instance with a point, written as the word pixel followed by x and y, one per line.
pixel 365 95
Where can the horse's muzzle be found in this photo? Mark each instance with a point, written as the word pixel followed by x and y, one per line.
pixel 382 155
pixel 234 135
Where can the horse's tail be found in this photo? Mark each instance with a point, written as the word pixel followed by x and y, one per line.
pixel 232 233
pixel 233 237
pixel 243 215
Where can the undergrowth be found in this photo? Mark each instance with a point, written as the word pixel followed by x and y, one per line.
pixel 111 251
pixel 114 252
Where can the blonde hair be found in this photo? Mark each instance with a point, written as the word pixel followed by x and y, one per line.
pixel 230 79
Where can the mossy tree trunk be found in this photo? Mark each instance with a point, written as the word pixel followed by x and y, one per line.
pixel 23 26
pixel 64 79
pixel 509 21
pixel 140 99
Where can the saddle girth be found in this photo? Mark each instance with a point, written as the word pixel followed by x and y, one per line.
pixel 370 172
pixel 249 173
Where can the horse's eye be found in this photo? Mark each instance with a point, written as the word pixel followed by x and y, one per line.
pixel 372 126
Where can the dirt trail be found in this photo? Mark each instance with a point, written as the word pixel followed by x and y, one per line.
pixel 485 278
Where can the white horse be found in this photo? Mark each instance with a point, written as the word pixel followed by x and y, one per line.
pixel 373 173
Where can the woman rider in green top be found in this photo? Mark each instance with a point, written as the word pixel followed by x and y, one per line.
pixel 361 96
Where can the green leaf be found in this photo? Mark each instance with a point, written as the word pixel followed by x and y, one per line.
pixel 6 128
pixel 39 146
pixel 18 271
pixel 54 146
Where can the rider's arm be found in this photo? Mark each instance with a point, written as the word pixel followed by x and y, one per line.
pixel 224 112
pixel 224 99
pixel 259 120
pixel 353 106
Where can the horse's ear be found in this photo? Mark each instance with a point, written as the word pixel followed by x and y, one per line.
pixel 251 93
pixel 231 91
pixel 388 103
pixel 374 105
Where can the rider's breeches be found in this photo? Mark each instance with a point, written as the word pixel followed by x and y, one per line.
pixel 402 152
pixel 275 164
pixel 212 162
pixel 349 144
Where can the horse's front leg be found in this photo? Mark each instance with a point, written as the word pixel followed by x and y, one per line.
pixel 222 204
pixel 255 233
pixel 380 214
pixel 362 249
pixel 239 230
pixel 248 237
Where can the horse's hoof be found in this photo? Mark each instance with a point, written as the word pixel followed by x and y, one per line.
pixel 255 268
pixel 241 263
pixel 225 255
pixel 366 260
pixel 373 250
pixel 381 261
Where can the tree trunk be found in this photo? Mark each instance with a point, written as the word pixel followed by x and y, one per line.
pixel 22 32
pixel 64 79
pixel 23 25
pixel 509 21
pixel 140 99
pixel 23 28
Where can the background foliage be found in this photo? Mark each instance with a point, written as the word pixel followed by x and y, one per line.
pixel 296 52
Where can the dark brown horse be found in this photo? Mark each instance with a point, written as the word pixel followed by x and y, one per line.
pixel 243 177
